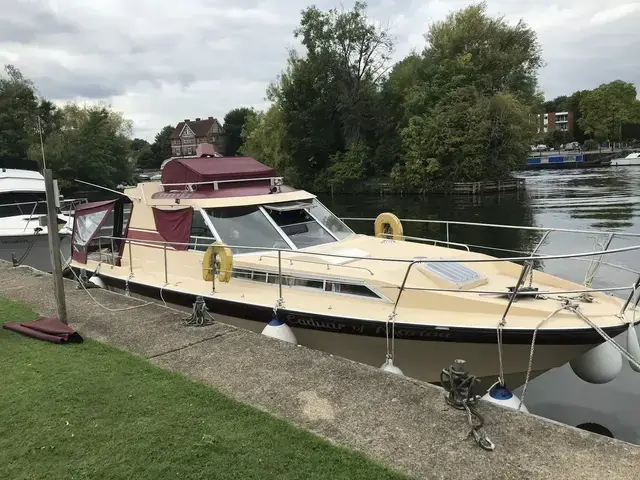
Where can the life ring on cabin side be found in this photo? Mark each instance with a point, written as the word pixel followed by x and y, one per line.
pixel 387 225
pixel 224 259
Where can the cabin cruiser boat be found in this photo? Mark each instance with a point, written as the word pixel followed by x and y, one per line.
pixel 228 230
pixel 23 215
pixel 631 159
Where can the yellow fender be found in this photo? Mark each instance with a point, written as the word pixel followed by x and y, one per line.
pixel 224 259
pixel 388 224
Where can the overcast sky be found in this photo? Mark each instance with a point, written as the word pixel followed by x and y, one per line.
pixel 161 61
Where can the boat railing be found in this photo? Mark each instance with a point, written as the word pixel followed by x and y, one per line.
pixel 526 260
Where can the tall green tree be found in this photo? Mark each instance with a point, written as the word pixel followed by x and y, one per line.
pixel 605 109
pixel 263 137
pixel 161 146
pixel 142 154
pixel 471 114
pixel 329 97
pixel 92 145
pixel 234 121
pixel 468 137
pixel 18 114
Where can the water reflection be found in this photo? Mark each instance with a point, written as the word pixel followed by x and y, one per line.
pixel 600 199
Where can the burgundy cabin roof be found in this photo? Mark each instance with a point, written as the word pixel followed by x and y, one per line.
pixel 208 169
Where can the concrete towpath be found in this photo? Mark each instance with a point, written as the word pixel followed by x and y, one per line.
pixel 402 423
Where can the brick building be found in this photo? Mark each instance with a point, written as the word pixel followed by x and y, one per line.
pixel 190 133
pixel 562 121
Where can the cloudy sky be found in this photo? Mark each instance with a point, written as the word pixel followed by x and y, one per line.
pixel 160 61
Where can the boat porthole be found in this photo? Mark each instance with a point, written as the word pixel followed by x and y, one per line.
pixel 596 428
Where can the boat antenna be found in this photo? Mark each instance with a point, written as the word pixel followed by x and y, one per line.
pixel 107 189
pixel 44 162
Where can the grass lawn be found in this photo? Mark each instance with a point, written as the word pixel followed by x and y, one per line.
pixel 92 411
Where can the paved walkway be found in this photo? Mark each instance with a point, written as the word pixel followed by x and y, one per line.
pixel 402 423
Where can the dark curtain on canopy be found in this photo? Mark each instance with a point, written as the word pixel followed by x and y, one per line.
pixel 174 225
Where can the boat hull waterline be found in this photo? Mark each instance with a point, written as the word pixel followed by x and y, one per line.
pixel 421 351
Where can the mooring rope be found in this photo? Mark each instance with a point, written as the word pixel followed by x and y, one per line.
pixel 567 305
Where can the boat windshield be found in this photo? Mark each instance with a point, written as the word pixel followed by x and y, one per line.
pixel 307 223
pixel 281 225
pixel 246 227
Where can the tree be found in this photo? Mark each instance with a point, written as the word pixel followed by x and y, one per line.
pixel 234 121
pixel 91 145
pixel 18 114
pixel 469 137
pixel 470 48
pixel 329 97
pixel 263 139
pixel 605 109
pixel 470 112
pixel 142 153
pixel 161 147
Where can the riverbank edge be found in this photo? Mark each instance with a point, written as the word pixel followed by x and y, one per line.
pixel 399 422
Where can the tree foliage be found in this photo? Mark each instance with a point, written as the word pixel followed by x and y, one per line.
pixel 92 144
pixel 18 114
pixel 329 98
pixel 161 146
pixel 607 108
pixel 468 136
pixel 234 121
pixel 470 113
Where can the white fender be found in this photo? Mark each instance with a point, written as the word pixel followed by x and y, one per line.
pixel 633 347
pixel 388 366
pixel 97 281
pixel 501 395
pixel 599 365
pixel 276 328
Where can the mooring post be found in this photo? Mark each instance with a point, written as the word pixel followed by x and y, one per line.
pixel 53 202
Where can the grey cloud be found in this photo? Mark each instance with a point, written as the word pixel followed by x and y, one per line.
pixel 28 22
pixel 131 51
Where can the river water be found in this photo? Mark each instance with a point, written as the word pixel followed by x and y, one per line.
pixel 601 199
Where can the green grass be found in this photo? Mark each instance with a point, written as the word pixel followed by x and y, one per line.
pixel 92 411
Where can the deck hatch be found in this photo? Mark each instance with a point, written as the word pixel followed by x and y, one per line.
pixel 454 274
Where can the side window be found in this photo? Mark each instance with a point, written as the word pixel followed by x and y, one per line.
pixel 200 233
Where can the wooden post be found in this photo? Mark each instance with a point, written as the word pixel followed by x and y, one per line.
pixel 54 245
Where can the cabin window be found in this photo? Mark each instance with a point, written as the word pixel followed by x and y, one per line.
pixel 245 227
pixel 294 281
pixel 200 236
pixel 22 203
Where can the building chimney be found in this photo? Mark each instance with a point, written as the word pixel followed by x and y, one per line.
pixel 186 120
pixel 210 118
pixel 197 119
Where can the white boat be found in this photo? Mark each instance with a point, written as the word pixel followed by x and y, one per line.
pixel 631 159
pixel 228 230
pixel 23 209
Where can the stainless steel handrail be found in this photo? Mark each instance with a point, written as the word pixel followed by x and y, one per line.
pixel 411 263
pixel 497 225
pixel 422 239
pixel 291 260
pixel 406 260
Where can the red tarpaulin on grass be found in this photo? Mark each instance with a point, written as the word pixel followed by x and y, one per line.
pixel 47 329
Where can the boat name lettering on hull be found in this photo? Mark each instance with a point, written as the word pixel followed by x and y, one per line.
pixel 362 328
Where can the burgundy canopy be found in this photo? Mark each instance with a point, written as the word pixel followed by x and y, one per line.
pixel 174 225
pixel 198 170
pixel 88 219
